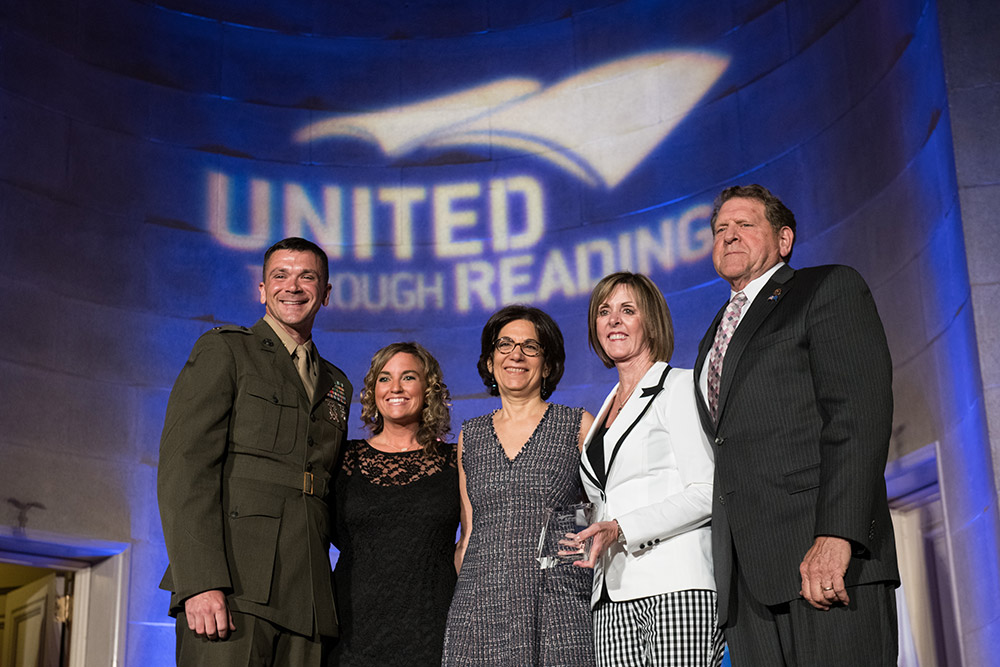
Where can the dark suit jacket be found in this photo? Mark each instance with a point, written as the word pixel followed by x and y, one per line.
pixel 239 442
pixel 805 415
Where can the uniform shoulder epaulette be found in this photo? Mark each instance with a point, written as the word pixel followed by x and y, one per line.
pixel 232 328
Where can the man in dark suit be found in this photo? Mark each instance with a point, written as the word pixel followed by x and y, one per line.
pixel 253 428
pixel 794 386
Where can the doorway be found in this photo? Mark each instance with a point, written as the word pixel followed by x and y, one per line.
pixel 70 600
pixel 927 622
pixel 34 616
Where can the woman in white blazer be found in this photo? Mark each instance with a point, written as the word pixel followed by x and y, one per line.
pixel 647 468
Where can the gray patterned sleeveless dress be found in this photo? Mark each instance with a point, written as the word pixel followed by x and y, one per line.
pixel 506 610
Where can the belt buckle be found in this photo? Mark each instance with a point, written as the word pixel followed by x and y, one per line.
pixel 307 483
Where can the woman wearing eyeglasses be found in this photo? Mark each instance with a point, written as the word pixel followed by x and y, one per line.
pixel 514 464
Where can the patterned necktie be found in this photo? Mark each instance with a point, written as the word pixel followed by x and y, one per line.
pixel 303 363
pixel 727 326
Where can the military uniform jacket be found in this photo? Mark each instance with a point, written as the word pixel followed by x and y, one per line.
pixel 245 463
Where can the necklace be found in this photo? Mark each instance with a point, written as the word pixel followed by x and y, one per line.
pixel 622 404
pixel 405 448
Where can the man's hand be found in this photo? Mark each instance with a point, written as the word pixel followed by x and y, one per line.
pixel 208 615
pixel 823 570
pixel 605 533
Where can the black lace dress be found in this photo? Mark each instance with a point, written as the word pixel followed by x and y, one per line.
pixel 396 516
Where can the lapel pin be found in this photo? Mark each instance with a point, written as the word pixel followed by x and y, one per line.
pixel 775 295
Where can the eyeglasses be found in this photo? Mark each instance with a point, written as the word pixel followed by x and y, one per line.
pixel 529 348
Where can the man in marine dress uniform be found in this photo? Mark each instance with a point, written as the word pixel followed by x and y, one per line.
pixel 253 429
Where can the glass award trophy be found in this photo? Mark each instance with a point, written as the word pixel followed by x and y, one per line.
pixel 554 546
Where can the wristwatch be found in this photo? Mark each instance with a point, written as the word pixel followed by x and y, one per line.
pixel 621 535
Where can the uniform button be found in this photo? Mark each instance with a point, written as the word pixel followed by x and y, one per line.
pixel 722 499
pixel 312 418
pixel 309 467
pixel 310 441
pixel 274 399
pixel 719 441
pixel 234 514
pixel 656 541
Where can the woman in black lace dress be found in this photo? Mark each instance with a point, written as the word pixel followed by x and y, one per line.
pixel 396 513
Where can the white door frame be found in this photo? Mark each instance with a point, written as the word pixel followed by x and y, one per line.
pixel 100 590
pixel 927 632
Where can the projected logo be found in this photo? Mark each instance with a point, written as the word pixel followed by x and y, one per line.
pixel 417 234
pixel 598 125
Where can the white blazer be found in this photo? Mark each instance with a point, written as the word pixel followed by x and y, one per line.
pixel 659 487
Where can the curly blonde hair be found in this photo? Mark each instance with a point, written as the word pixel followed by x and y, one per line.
pixel 435 418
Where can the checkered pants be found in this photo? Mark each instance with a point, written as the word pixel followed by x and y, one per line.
pixel 670 630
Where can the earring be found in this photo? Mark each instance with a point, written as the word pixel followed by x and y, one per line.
pixel 543 387
pixel 493 383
